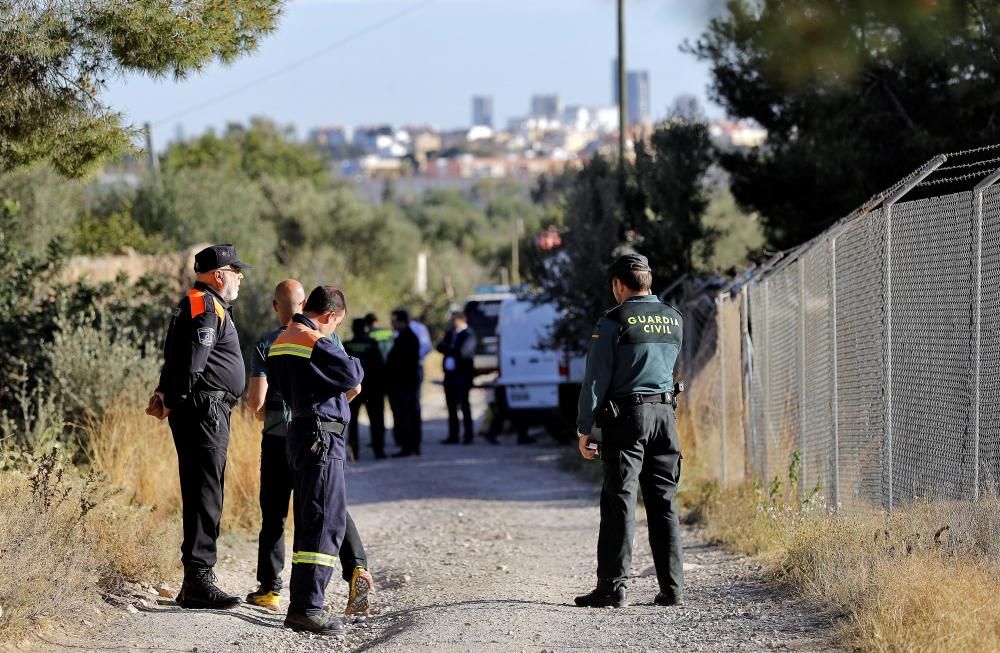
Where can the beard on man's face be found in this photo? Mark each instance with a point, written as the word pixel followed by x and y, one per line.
pixel 231 290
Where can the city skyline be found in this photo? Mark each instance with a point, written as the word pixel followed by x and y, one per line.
pixel 390 68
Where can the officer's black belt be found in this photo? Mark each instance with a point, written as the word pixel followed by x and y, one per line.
pixel 277 406
pixel 319 424
pixel 223 396
pixel 636 399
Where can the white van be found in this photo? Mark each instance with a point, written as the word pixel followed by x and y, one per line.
pixel 537 383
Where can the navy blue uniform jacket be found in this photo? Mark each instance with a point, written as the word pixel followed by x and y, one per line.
pixel 312 372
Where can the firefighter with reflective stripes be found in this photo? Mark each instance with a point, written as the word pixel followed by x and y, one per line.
pixel 628 392
pixel 201 379
pixel 317 379
pixel 276 476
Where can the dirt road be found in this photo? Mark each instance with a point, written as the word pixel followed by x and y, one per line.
pixel 482 548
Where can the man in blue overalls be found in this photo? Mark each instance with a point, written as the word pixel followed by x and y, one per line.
pixel 317 379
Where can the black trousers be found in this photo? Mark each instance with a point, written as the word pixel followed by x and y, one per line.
pixel 320 510
pixel 200 427
pixel 418 427
pixel 405 404
pixel 374 402
pixel 641 449
pixel 456 395
pixel 275 492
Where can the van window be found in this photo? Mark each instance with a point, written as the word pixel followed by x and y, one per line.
pixel 482 317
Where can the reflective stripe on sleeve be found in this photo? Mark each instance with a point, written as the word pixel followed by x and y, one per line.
pixel 313 558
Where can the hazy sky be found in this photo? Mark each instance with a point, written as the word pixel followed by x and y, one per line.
pixel 420 61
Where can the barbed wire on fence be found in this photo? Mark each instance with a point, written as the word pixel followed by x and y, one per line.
pixel 955 179
pixel 975 164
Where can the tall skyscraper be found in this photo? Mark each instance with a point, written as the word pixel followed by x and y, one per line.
pixel 636 93
pixel 637 82
pixel 482 111
pixel 546 106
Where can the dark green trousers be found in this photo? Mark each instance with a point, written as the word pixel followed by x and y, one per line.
pixel 641 450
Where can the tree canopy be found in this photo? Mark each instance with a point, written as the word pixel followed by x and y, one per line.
pixel 660 216
pixel 854 95
pixel 56 56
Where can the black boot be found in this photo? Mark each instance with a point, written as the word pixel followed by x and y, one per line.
pixel 200 591
pixel 321 623
pixel 599 598
pixel 667 599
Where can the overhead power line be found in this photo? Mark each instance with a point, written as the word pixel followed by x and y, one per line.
pixel 298 62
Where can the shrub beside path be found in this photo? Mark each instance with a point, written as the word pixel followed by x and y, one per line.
pixel 482 548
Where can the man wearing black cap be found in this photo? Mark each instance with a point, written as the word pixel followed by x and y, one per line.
pixel 627 390
pixel 200 381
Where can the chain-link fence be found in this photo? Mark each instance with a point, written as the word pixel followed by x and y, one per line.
pixel 865 365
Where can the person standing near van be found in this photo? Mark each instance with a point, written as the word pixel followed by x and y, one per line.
pixel 403 385
pixel 627 390
pixel 459 349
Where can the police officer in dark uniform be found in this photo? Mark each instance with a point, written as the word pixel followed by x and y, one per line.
pixel 316 379
pixel 366 349
pixel 628 390
pixel 276 481
pixel 403 380
pixel 459 349
pixel 201 379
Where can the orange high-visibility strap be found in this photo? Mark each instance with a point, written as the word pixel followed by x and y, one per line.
pixel 197 299
pixel 298 334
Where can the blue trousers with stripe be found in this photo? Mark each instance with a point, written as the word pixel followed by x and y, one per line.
pixel 320 512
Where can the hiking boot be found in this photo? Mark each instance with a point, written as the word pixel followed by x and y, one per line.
pixel 321 623
pixel 199 591
pixel 667 599
pixel 357 600
pixel 265 599
pixel 603 599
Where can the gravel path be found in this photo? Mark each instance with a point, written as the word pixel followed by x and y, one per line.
pixel 482 548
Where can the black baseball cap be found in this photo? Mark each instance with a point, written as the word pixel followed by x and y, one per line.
pixel 218 256
pixel 631 262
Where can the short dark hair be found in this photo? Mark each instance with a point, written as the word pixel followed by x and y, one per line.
pixel 324 299
pixel 401 315
pixel 636 280
pixel 633 270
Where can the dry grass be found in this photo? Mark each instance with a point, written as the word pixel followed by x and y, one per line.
pixel 137 454
pixel 924 580
pixel 64 539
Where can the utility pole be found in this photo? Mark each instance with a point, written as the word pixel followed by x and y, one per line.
pixel 622 100
pixel 154 161
pixel 515 254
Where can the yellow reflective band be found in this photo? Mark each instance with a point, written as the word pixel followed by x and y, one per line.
pixel 290 349
pixel 313 558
